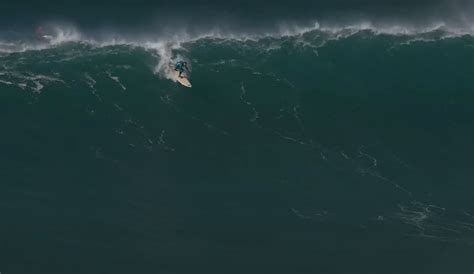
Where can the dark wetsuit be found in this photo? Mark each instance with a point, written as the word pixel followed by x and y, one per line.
pixel 180 66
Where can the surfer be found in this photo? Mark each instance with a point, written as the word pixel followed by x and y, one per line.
pixel 181 66
pixel 41 35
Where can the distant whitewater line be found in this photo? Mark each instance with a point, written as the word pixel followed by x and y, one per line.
pixel 67 33
pixel 166 49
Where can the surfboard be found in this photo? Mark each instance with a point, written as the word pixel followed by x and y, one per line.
pixel 183 80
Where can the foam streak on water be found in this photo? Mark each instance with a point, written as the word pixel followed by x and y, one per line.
pixel 295 150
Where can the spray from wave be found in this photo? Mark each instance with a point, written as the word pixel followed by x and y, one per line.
pixel 167 49
pixel 343 123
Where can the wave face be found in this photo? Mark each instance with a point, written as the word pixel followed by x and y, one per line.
pixel 295 151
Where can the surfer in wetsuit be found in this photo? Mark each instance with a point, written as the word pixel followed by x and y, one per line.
pixel 181 66
pixel 41 35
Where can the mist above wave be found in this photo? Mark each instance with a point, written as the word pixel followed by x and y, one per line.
pixel 58 34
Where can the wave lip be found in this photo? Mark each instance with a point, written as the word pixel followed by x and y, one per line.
pixel 62 34
pixel 169 49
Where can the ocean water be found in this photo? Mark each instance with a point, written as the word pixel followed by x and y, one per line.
pixel 315 149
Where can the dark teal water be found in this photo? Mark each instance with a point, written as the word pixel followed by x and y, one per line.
pixel 294 154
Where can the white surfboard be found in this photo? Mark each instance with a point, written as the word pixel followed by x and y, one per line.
pixel 183 80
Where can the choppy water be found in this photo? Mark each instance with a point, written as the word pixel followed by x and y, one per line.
pixel 321 151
